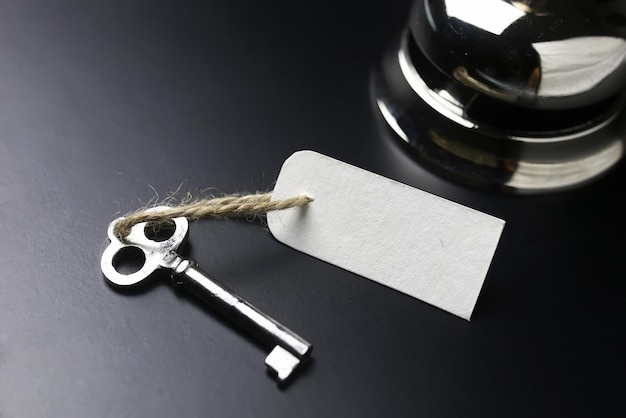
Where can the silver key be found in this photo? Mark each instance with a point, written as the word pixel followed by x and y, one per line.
pixel 289 349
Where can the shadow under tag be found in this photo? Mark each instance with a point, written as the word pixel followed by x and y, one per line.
pixel 417 243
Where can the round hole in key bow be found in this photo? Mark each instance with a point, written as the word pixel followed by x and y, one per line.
pixel 129 260
pixel 159 231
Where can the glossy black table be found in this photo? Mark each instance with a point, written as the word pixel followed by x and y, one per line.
pixel 105 105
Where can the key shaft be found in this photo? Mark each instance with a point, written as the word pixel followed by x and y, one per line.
pixel 188 275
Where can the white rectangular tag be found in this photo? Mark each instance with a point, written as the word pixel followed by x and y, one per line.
pixel 407 239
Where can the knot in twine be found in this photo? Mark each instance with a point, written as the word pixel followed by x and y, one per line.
pixel 219 207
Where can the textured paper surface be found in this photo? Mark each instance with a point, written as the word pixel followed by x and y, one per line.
pixel 407 239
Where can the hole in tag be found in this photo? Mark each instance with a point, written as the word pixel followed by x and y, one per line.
pixel 129 260
pixel 159 231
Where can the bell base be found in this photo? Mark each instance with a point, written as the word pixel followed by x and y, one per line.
pixel 443 138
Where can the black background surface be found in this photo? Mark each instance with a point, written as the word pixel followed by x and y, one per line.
pixel 106 104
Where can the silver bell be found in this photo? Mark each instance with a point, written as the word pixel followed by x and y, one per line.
pixel 520 95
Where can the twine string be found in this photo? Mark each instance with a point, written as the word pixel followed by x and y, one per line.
pixel 219 207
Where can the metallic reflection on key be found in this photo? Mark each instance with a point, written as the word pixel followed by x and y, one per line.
pixel 289 348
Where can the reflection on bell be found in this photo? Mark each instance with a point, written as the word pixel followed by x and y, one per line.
pixel 524 96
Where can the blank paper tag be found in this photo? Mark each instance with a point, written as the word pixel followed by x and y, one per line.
pixel 412 241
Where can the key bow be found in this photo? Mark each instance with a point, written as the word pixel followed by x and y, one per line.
pixel 156 254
